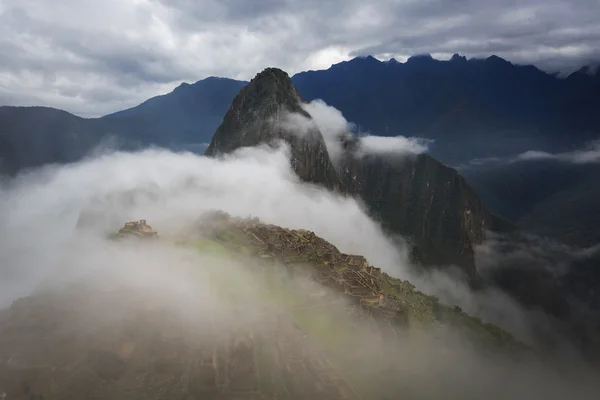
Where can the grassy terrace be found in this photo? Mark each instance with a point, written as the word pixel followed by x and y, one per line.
pixel 323 326
pixel 271 287
pixel 323 321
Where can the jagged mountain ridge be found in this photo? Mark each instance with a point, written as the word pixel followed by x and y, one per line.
pixel 462 104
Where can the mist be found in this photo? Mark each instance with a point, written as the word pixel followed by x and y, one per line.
pixel 170 190
pixel 334 127
pixel 54 222
pixel 446 283
pixel 588 154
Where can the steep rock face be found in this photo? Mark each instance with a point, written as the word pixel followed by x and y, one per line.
pixel 258 115
pixel 420 198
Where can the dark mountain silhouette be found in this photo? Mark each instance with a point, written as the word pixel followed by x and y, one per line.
pixel 425 201
pixel 188 115
pixel 33 136
pixel 473 109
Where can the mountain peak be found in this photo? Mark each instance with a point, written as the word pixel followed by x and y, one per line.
pixel 458 58
pixel 273 85
pixel 420 57
pixel 494 59
pixel 272 73
pixel 262 114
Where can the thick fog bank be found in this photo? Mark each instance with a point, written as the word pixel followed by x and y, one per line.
pixel 40 210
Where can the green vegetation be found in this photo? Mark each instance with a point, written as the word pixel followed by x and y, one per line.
pixel 276 270
pixel 272 287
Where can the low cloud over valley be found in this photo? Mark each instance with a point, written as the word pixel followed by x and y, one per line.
pixel 55 221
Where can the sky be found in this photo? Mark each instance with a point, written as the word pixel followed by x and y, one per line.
pixel 95 57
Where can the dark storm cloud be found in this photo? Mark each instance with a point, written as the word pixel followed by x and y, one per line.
pixel 95 57
pixel 554 35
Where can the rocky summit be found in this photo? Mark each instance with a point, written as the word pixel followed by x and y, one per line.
pixel 258 115
pixel 294 319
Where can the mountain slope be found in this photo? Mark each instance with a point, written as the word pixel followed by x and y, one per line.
pixel 534 192
pixel 184 119
pixel 413 196
pixel 577 205
pixel 33 136
pixel 425 201
pixel 187 115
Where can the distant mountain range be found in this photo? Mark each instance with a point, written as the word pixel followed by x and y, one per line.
pixel 462 104
pixel 473 109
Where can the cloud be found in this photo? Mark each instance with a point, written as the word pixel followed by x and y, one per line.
pixel 66 55
pixel 331 123
pixel 589 155
pixel 170 189
pixel 53 221
pixel 397 144
pixel 334 127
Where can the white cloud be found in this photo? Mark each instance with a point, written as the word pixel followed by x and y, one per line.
pixel 41 245
pixel 170 190
pixel 588 155
pixel 333 125
pixel 39 212
pixel 394 145
pixel 533 155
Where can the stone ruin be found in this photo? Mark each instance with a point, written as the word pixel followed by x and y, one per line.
pixel 138 229
pixel 345 273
